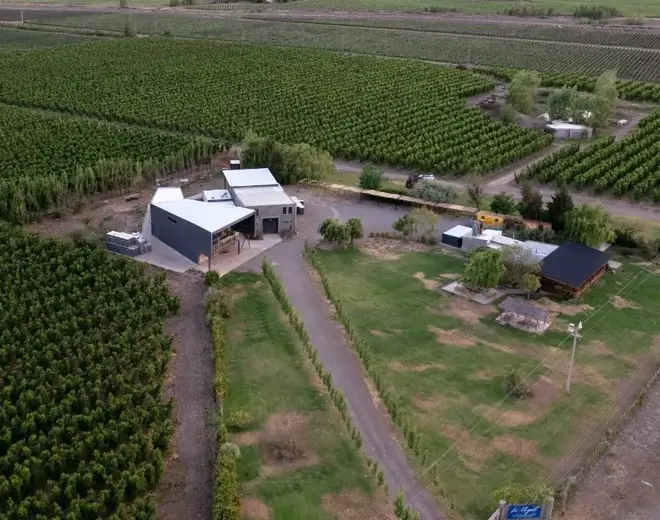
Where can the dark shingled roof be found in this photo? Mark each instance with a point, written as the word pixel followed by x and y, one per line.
pixel 573 264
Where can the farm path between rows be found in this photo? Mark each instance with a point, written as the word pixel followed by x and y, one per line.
pixel 338 357
pixel 624 483
pixel 495 186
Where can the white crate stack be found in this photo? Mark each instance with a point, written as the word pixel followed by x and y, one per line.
pixel 129 244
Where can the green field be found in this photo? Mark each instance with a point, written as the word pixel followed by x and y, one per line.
pixel 625 167
pixel 604 35
pixel 546 56
pixel 645 7
pixel 352 107
pixel 19 39
pixel 47 157
pixel 269 378
pixel 446 361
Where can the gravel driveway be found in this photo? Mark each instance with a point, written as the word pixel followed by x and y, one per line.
pixel 336 353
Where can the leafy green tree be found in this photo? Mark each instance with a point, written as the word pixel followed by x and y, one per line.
pixel 530 282
pixel 475 194
pixel 531 202
pixel 485 269
pixel 522 91
pixel 504 203
pixel 590 225
pixel 424 222
pixel 519 262
pixel 404 225
pixel 606 95
pixel 334 231
pixel 434 191
pixel 561 102
pixel 559 206
pixel 354 229
pixel 371 178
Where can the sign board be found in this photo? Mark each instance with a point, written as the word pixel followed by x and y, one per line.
pixel 517 511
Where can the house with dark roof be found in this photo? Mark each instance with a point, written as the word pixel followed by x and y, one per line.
pixel 572 268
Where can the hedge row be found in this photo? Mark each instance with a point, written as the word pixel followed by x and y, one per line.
pixel 226 502
pixel 394 407
pixel 336 395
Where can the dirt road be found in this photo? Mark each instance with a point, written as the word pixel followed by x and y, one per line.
pixel 338 357
pixel 615 206
pixel 624 484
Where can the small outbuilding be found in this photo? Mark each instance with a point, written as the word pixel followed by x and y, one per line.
pixel 454 236
pixel 523 315
pixel 572 268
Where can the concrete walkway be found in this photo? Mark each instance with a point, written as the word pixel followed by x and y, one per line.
pixel 339 358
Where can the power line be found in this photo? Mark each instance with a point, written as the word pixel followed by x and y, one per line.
pixel 532 372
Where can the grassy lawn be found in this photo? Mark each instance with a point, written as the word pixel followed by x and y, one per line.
pixel 269 378
pixel 447 361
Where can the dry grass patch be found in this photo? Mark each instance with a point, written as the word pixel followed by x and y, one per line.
pixel 254 509
pixel 452 337
pixel 468 311
pixel 597 348
pixel 434 403
pixel 429 285
pixel 285 444
pixel 622 303
pixel 472 451
pixel 378 333
pixel 353 504
pixel 422 367
pixel 528 412
pixel 567 309
pixel 523 449
pixel 557 360
pixel 390 249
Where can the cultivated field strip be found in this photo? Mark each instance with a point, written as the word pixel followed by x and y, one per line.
pixel 12 39
pixel 635 64
pixel 47 157
pixel 606 36
pixel 631 165
pixel 353 107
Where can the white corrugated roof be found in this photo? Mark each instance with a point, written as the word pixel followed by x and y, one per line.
pixel 262 196
pixel 216 195
pixel 211 217
pixel 540 249
pixel 561 125
pixel 458 231
pixel 249 177
pixel 167 195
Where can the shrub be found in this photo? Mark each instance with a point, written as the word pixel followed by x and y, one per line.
pixel 434 191
pixel 515 386
pixel 211 278
pixel 217 304
pixel 239 420
pixel 371 178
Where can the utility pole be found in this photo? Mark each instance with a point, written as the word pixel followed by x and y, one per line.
pixel 575 331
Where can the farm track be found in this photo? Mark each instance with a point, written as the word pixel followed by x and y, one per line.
pixel 338 357
pixel 495 186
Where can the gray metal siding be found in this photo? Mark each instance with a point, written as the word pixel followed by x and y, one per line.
pixel 286 222
pixel 182 236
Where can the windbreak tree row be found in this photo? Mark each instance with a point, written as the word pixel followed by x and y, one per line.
pixel 628 89
pixel 389 111
pixel 629 166
pixel 48 158
pixel 83 425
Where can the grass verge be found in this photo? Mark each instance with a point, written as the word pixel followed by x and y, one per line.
pixel 297 461
pixel 443 362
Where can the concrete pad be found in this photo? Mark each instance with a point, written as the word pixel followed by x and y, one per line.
pixel 521 323
pixel 228 261
pixel 163 256
pixel 484 298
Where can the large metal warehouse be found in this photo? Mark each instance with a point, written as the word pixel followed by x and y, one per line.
pixel 257 189
pixel 198 230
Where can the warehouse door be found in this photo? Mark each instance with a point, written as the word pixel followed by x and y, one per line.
pixel 270 225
